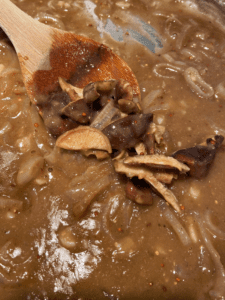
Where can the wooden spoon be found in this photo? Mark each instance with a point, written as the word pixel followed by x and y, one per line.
pixel 46 53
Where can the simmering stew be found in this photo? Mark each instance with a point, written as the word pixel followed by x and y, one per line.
pixel 102 195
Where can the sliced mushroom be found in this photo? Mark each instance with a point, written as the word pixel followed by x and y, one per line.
pixel 127 132
pixel 51 114
pixel 199 158
pixel 77 111
pixel 119 90
pixel 128 106
pixel 124 93
pixel 84 138
pixel 148 176
pixel 93 90
pixel 74 92
pixel 158 131
pixel 140 149
pixel 157 161
pixel 149 142
pixel 164 177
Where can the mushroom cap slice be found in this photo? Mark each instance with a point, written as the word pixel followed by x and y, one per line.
pixel 148 176
pixel 74 92
pixel 157 161
pixel 84 138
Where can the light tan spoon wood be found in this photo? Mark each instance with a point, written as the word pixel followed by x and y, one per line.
pixel 46 53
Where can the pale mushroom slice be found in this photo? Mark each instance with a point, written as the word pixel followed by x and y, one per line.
pixel 157 161
pixel 74 92
pixel 84 138
pixel 164 177
pixel 158 131
pixel 148 176
pixel 141 149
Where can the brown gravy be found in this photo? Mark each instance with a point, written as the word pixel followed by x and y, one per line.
pixel 118 249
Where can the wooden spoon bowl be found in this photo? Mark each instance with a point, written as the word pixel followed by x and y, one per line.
pixel 46 53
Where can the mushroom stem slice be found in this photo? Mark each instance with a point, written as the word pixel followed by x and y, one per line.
pixel 157 161
pixel 141 149
pixel 165 177
pixel 74 92
pixel 84 138
pixel 148 176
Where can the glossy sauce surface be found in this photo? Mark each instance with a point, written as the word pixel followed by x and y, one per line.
pixel 118 249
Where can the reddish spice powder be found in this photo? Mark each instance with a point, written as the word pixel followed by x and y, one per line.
pixel 80 60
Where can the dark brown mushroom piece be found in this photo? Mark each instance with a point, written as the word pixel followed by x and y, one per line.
pixel 137 194
pixel 124 95
pixel 118 90
pixel 51 114
pixel 105 90
pixel 77 111
pixel 128 106
pixel 200 157
pixel 74 93
pixel 127 132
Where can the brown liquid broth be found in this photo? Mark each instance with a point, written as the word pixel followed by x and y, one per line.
pixel 153 263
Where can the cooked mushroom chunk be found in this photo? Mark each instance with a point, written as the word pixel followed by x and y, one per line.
pixel 149 142
pixel 127 132
pixel 74 92
pixel 128 106
pixel 119 90
pixel 94 90
pixel 77 111
pixel 165 177
pixel 200 157
pixel 140 149
pixel 52 114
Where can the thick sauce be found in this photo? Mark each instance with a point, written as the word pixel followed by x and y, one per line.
pixel 118 249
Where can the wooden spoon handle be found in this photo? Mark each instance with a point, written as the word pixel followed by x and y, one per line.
pixel 33 43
